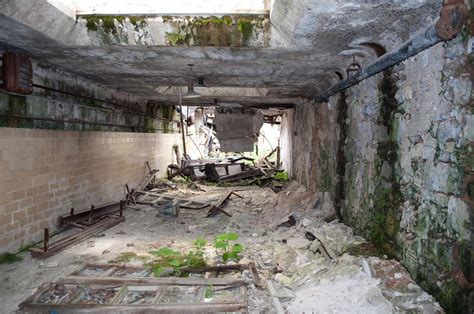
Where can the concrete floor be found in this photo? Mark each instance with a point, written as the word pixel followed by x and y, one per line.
pixel 301 280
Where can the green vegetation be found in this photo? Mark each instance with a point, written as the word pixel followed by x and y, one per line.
pixel 212 30
pixel 106 22
pixel 9 258
pixel 229 251
pixel 385 224
pixel 281 176
pixel 137 21
pixel 245 27
pixel 126 257
pixel 167 261
pixel 209 293
pixel 167 258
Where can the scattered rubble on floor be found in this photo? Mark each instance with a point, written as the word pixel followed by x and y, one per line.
pixel 301 254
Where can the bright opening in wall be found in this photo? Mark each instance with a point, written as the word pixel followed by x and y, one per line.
pixel 175 7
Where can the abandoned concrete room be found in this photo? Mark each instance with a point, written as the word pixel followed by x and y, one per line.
pixel 262 156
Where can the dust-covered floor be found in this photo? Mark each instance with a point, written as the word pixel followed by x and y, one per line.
pixel 303 261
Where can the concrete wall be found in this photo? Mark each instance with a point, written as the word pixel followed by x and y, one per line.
pixel 44 173
pixel 91 108
pixel 314 140
pixel 118 26
pixel 286 144
pixel 409 170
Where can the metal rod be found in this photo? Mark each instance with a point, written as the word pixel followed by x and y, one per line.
pixel 453 17
pixel 45 239
pixel 132 112
pixel 122 206
pixel 73 94
pixel 182 122
pixel 74 121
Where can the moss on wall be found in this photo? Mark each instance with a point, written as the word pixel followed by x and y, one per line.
pixel 213 30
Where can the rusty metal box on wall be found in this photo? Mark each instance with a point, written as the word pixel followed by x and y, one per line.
pixel 17 73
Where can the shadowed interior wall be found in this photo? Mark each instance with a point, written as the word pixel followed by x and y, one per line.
pixel 314 137
pixel 409 171
pixel 44 173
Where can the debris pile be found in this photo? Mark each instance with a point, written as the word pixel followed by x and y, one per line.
pixel 293 256
pixel 238 169
pixel 308 269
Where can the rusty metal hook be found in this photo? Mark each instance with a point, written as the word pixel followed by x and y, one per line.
pixel 353 67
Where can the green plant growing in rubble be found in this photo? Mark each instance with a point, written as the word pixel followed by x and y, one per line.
pixel 196 258
pixel 168 258
pixel 9 258
pixel 126 257
pixel 229 251
pixel 209 293
pixel 281 176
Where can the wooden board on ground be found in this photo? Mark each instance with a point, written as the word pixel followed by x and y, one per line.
pixel 132 295
pixel 124 270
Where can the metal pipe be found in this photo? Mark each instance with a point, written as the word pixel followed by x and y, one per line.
pixel 75 121
pixel 46 239
pixel 131 112
pixel 453 17
pixel 182 122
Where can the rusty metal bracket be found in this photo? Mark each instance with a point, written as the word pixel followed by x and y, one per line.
pixel 354 67
pixel 453 17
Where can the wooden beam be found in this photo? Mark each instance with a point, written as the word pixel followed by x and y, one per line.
pixel 150 281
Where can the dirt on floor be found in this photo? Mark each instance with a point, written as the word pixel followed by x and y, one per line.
pixel 300 250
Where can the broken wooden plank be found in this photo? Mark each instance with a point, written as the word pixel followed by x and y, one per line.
pixel 74 303
pixel 241 176
pixel 255 277
pixel 151 281
pixel 218 268
pixel 39 292
pixel 120 295
pixel 241 158
pixel 139 308
pixel 159 294
pixel 183 203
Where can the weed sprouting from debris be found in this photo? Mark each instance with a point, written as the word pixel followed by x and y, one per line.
pixel 9 258
pixel 126 257
pixel 223 243
pixel 281 176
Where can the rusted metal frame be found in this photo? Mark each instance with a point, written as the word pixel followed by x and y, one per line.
pixel 216 207
pixel 46 239
pixel 241 176
pixel 93 213
pixel 131 193
pixel 453 17
pixel 183 203
pixel 50 249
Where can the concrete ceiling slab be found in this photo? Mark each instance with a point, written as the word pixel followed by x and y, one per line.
pixel 307 38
